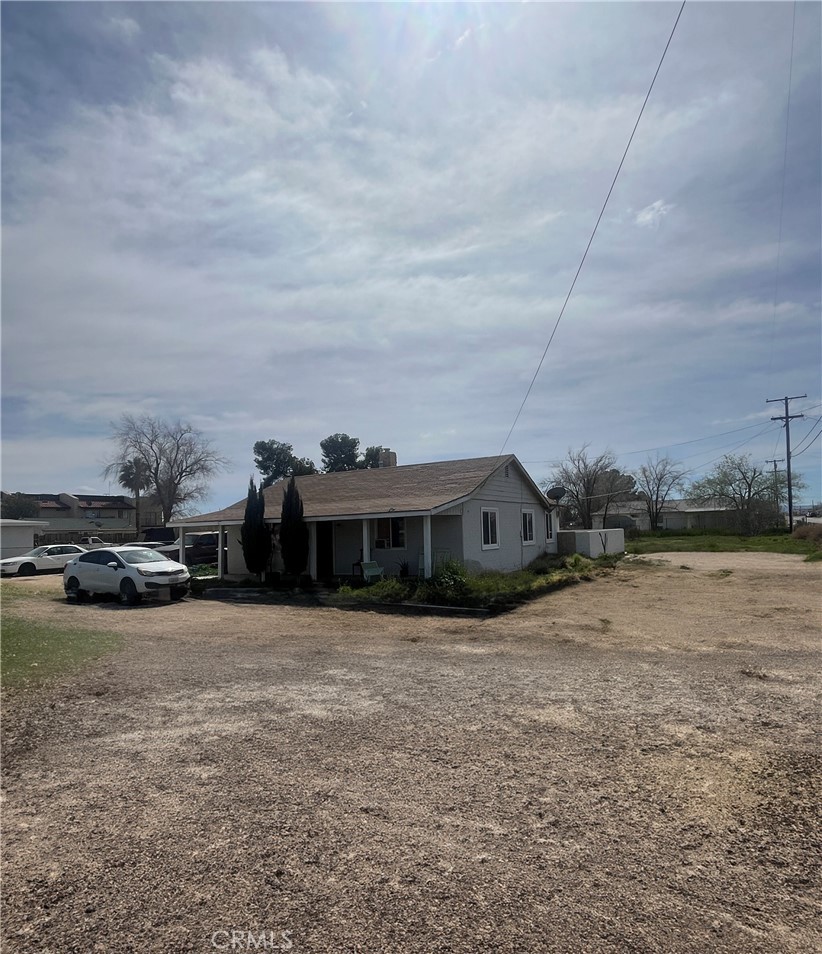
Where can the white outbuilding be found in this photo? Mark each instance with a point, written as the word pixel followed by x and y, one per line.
pixel 17 536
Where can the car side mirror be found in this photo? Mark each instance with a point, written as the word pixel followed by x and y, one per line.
pixel 114 566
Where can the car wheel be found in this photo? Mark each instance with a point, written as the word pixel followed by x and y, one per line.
pixel 27 569
pixel 178 592
pixel 73 592
pixel 128 593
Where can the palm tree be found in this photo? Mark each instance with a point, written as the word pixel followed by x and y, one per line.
pixel 133 475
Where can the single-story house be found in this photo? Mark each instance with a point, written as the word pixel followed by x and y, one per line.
pixel 679 514
pixel 486 512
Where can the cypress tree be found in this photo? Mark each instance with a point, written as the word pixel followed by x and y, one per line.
pixel 254 534
pixel 293 531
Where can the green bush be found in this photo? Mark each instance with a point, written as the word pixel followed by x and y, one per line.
pixel 202 570
pixel 383 591
pixel 546 563
pixel 578 564
pixel 452 585
pixel 448 587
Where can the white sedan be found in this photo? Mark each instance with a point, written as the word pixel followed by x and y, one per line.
pixel 128 572
pixel 40 560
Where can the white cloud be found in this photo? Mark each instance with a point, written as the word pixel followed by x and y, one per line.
pixel 239 246
pixel 123 27
pixel 462 38
pixel 651 216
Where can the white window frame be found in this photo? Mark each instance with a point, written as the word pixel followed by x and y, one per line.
pixel 493 543
pixel 393 544
pixel 526 542
pixel 549 525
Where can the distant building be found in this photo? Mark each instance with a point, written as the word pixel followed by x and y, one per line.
pixel 90 513
pixel 680 514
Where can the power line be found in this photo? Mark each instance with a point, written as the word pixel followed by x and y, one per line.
pixel 726 453
pixel 646 450
pixel 695 440
pixel 800 453
pixel 693 469
pixel 810 430
pixel 596 226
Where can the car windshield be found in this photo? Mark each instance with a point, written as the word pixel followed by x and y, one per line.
pixel 141 556
pixel 37 551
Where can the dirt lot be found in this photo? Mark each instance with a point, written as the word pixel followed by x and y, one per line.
pixel 626 765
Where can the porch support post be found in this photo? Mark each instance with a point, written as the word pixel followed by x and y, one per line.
pixel 312 550
pixel 366 542
pixel 426 545
pixel 181 553
pixel 220 545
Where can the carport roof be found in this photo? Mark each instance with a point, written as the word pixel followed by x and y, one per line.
pixel 412 488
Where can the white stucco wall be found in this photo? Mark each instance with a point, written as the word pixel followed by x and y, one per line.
pixel 17 536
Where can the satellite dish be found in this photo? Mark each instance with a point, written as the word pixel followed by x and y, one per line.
pixel 555 493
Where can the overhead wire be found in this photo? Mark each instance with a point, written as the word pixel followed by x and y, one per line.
pixel 800 449
pixel 593 233
pixel 707 462
pixel 646 450
pixel 747 440
pixel 808 447
pixel 808 432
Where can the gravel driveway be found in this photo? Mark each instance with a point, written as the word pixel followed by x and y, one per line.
pixel 628 765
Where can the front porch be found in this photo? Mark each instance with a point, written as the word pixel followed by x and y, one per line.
pixel 338 546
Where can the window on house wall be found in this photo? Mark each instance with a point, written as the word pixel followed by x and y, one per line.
pixel 390 533
pixel 528 527
pixel 119 514
pixel 490 531
pixel 549 526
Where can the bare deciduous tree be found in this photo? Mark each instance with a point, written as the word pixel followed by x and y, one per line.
pixel 614 487
pixel 656 480
pixel 179 460
pixel 590 482
pixel 753 492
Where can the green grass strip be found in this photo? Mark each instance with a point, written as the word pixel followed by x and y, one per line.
pixel 33 652
pixel 721 543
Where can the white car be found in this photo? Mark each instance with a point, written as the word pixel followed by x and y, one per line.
pixel 40 560
pixel 128 572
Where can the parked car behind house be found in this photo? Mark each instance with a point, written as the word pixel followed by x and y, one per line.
pixel 93 543
pixel 128 572
pixel 199 548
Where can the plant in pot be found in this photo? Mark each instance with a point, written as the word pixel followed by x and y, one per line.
pixel 404 568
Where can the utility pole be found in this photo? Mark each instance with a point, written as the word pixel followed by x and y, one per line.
pixel 787 417
pixel 779 460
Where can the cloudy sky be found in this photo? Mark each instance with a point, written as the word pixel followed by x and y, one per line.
pixel 288 220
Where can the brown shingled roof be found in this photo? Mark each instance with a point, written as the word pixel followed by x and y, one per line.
pixel 410 488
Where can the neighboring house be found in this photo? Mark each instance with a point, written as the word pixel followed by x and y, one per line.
pixel 17 536
pixel 85 512
pixel 486 512
pixel 678 514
